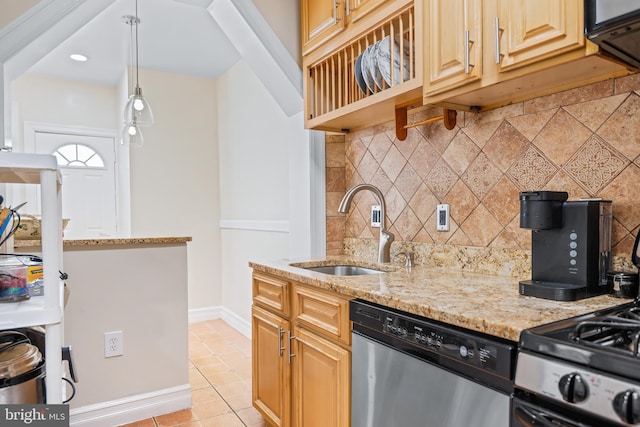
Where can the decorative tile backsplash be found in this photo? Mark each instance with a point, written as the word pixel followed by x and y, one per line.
pixel 585 141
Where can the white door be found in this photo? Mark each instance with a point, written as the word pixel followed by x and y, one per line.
pixel 87 165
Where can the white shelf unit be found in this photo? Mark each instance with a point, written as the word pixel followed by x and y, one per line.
pixel 46 310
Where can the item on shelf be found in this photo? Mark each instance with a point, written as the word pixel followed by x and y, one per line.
pixel 366 69
pixel 375 69
pixel 22 370
pixel 384 60
pixel 13 280
pixel 359 77
pixel 29 227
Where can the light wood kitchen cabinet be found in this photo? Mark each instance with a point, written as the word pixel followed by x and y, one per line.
pixel 481 54
pixel 454 51
pixel 301 346
pixel 529 31
pixel 323 19
pixel 360 74
pixel 271 373
pixel 321 389
pixel 358 9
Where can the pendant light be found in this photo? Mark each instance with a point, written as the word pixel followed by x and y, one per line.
pixel 137 111
pixel 132 135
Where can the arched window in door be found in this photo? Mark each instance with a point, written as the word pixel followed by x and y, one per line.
pixel 78 155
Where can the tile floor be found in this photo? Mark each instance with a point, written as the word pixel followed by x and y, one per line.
pixel 220 378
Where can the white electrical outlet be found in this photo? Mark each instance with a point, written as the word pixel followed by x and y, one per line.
pixel 113 344
pixel 442 217
pixel 375 216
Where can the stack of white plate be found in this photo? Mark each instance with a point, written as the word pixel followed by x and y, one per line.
pixel 373 66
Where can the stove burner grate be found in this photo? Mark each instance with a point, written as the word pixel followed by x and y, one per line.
pixel 616 332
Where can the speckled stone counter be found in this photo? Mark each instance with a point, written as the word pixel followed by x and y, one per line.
pixel 480 302
pixel 108 242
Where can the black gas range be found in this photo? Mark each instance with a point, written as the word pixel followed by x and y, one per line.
pixel 583 371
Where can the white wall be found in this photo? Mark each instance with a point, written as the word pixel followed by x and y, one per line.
pixel 255 138
pixel 174 177
pixel 51 100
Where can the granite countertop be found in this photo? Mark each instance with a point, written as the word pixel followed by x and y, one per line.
pixel 480 302
pixel 108 241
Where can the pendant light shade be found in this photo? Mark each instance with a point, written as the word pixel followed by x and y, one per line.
pixel 137 111
pixel 132 135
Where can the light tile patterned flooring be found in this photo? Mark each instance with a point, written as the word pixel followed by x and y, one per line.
pixel 220 378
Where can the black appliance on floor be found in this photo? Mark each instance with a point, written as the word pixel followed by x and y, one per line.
pixel 570 245
pixel 583 371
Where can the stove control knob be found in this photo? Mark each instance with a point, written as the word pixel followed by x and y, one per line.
pixel 627 406
pixel 573 388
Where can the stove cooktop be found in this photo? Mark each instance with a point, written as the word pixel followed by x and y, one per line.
pixel 608 340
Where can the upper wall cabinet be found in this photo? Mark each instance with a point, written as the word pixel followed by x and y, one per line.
pixel 323 19
pixel 454 34
pixel 356 78
pixel 481 54
pixel 528 31
pixel 360 8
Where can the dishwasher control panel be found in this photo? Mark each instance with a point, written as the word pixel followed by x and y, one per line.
pixel 432 339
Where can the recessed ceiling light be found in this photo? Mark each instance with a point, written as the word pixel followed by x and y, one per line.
pixel 78 57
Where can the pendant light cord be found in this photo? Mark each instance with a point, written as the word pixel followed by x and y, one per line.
pixel 131 56
pixel 137 22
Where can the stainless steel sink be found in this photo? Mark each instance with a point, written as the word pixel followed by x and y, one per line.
pixel 344 270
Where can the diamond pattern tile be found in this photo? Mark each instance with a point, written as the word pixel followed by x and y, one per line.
pixel 423 203
pixel 393 163
pixel 621 129
pixel 460 153
pixel 441 179
pixel 561 137
pixel 424 158
pixel 505 146
pixel 584 141
pixel 481 227
pixel 594 113
pixel 379 146
pixel 408 182
pixel 595 165
pixel 530 125
pixel 532 171
pixel 481 176
pixel 407 224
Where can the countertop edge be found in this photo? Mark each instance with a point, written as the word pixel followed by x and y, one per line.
pixel 108 241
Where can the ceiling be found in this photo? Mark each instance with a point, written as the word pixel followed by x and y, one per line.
pixel 177 36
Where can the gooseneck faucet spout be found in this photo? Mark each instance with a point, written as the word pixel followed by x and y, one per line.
pixel 384 244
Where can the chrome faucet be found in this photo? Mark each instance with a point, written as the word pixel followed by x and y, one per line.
pixel 384 244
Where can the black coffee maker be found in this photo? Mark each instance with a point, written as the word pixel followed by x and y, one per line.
pixel 570 245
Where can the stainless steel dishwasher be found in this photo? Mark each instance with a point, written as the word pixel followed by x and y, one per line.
pixel 409 371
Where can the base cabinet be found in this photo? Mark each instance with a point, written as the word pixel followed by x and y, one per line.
pixel 301 360
pixel 321 389
pixel 271 373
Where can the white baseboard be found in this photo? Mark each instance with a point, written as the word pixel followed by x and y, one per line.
pixel 133 408
pixel 219 312
pixel 202 314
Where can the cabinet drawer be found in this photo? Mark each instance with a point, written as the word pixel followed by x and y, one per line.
pixel 323 312
pixel 272 293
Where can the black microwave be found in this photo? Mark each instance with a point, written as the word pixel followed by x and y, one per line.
pixel 614 25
